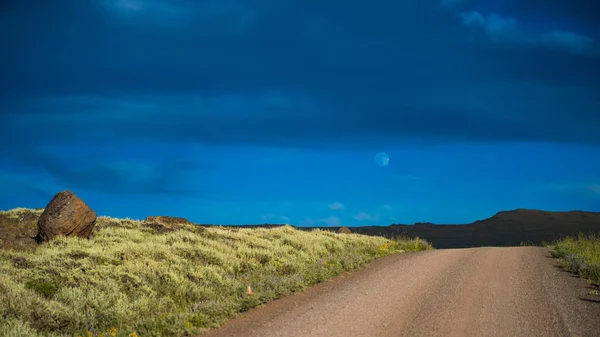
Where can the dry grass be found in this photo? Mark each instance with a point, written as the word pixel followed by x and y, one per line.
pixel 18 212
pixel 130 279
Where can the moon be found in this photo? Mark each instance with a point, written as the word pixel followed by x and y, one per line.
pixel 382 159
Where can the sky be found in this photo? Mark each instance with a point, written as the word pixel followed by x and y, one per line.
pixel 269 111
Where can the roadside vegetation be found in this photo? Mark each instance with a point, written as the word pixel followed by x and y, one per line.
pixel 580 255
pixel 132 280
pixel 532 244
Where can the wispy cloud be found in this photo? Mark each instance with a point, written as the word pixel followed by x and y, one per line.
pixel 274 217
pixel 574 42
pixel 451 3
pixel 113 175
pixel 307 222
pixel 494 24
pixel 509 29
pixel 229 15
pixel 406 177
pixel 336 206
pixel 363 216
pixel 593 188
pixel 38 184
pixel 331 221
pixel 156 8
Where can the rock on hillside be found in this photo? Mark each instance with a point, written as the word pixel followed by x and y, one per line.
pixel 344 230
pixel 18 227
pixel 66 215
pixel 165 224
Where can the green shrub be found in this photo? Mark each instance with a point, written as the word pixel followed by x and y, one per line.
pixel 580 255
pixel 43 287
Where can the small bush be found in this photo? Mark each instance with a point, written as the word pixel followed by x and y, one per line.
pixel 580 255
pixel 43 287
pixel 17 328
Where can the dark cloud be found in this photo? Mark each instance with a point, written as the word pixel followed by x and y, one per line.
pixel 293 73
pixel 23 187
pixel 578 12
pixel 77 170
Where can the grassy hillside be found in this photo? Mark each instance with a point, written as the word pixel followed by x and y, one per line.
pixel 580 255
pixel 130 280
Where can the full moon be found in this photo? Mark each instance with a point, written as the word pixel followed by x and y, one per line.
pixel 382 159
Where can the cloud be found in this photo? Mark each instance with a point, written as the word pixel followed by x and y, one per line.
pixel 594 188
pixel 494 24
pixel 293 120
pixel 451 3
pixel 38 185
pixel 363 216
pixel 269 81
pixel 508 29
pixel 587 188
pixel 155 11
pixel 406 177
pixel 574 11
pixel 331 221
pixel 271 217
pixel 388 207
pixel 574 42
pixel 234 14
pixel 307 222
pixel 563 11
pixel 165 176
pixel 336 206
pixel 138 5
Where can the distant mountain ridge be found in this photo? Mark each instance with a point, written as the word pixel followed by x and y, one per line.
pixel 505 228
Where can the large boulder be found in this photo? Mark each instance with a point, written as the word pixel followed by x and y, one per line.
pixel 66 215
pixel 344 230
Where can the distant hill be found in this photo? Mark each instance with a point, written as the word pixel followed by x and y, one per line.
pixel 507 228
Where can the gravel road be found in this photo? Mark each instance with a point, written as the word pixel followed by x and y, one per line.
pixel 515 291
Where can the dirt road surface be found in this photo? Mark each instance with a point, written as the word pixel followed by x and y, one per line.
pixel 516 291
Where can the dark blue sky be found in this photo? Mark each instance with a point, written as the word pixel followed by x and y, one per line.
pixel 253 111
